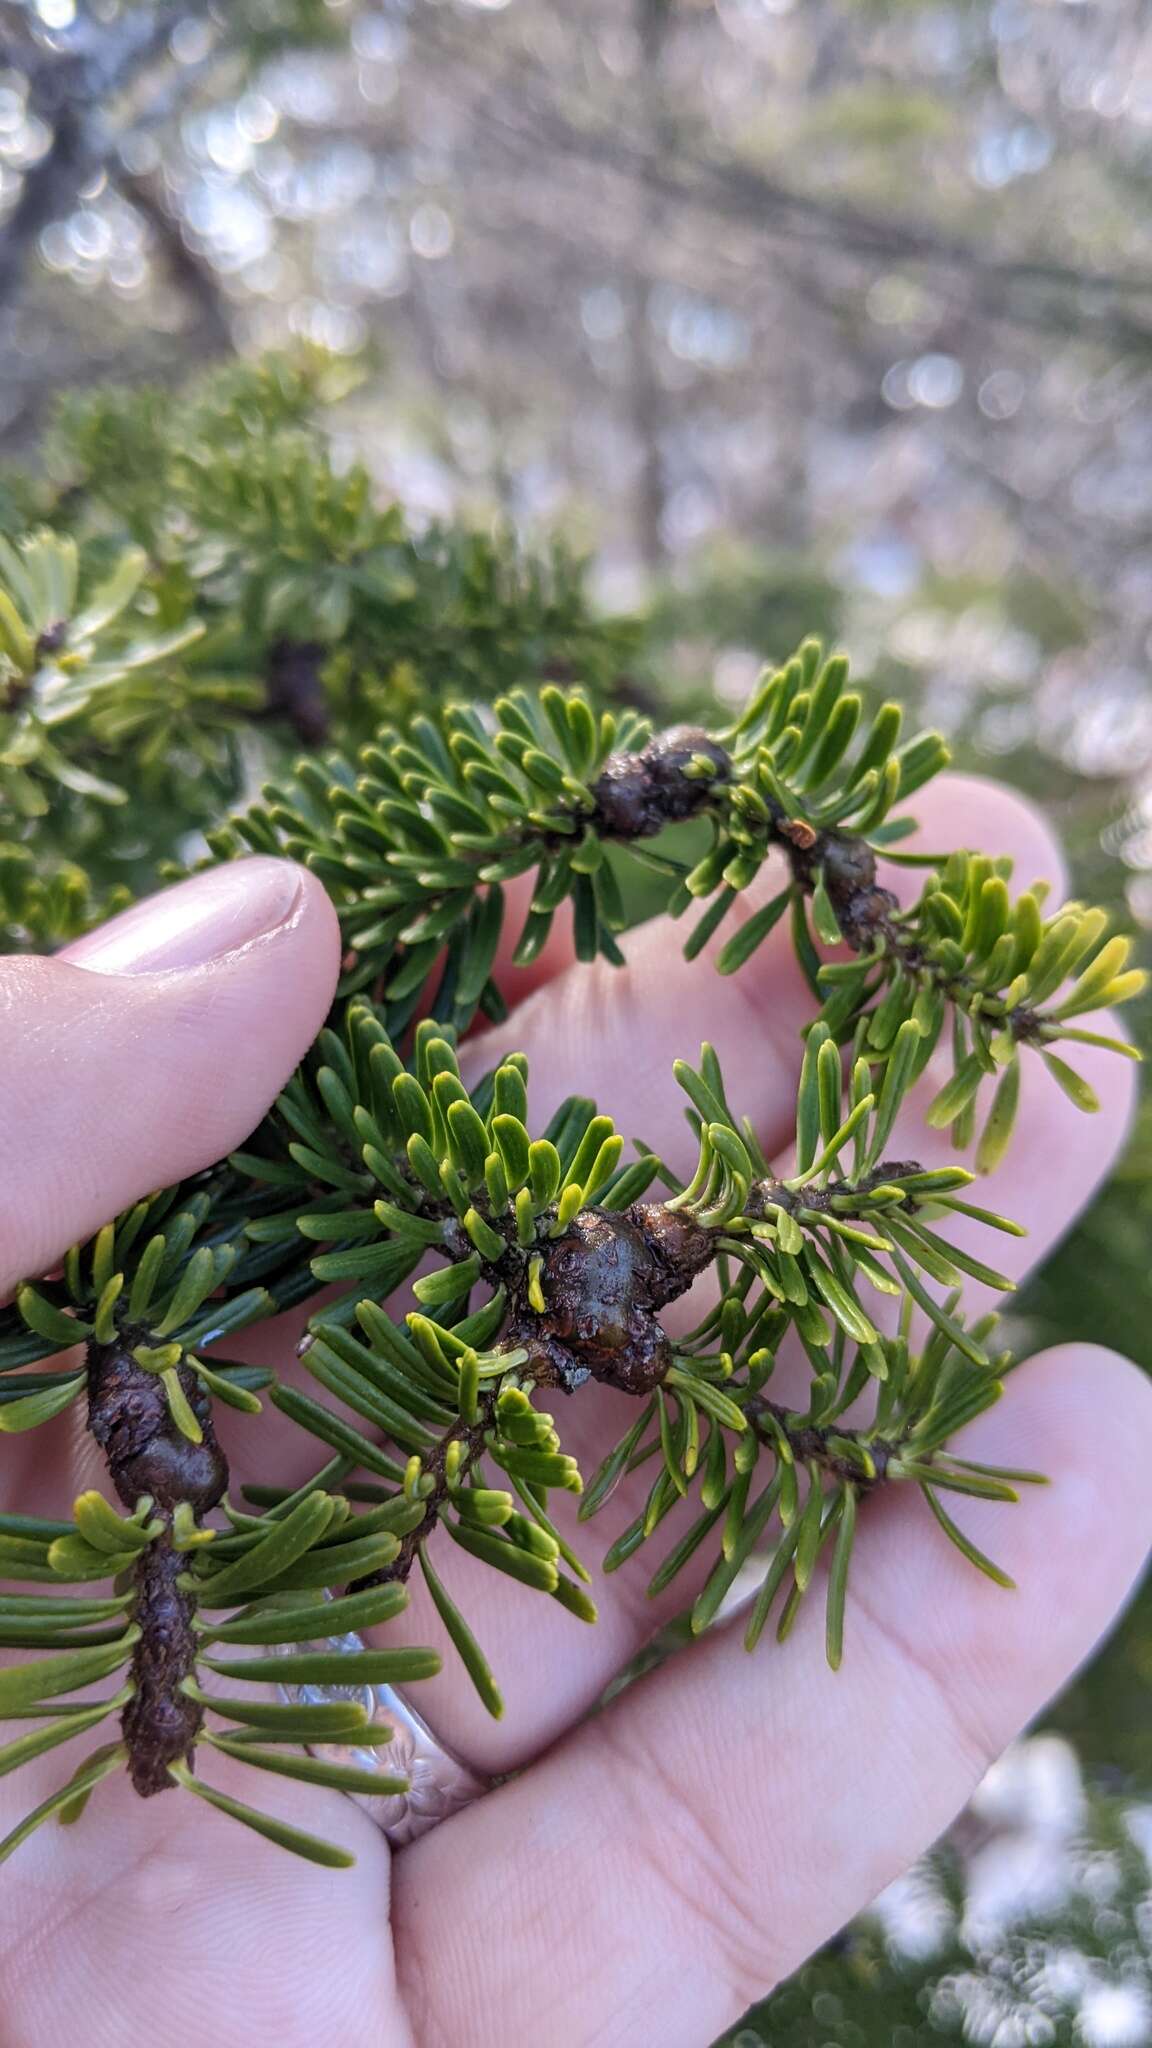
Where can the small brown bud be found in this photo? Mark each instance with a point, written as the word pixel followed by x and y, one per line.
pixel 800 832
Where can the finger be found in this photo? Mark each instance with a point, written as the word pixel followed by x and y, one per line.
pixel 152 1046
pixel 172 1909
pixel 739 1809
pixel 613 1033
pixel 143 1054
pixel 1058 1158
pixel 1058 1161
pixel 558 951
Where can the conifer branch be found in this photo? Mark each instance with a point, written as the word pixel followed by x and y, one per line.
pixel 554 1254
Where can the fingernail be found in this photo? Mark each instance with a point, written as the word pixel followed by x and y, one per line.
pixel 199 920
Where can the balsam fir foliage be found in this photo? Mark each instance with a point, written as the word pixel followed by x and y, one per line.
pixel 539 1260
pixel 201 588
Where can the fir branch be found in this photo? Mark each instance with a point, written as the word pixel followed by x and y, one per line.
pixel 555 1261
pixel 467 1441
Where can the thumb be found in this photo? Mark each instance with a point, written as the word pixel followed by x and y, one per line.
pixel 150 1048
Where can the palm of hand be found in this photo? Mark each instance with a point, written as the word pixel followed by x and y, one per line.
pixel 656 1868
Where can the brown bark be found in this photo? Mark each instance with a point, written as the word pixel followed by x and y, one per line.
pixel 129 1417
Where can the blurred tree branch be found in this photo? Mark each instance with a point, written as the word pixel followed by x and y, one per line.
pixel 653 20
pixel 72 89
pixel 686 171
pixel 194 277
pixel 69 89
pixel 738 193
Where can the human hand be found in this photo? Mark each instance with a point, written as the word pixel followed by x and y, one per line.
pixel 651 1871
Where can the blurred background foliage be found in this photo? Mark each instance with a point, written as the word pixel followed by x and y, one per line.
pixel 1029 1926
pixel 633 341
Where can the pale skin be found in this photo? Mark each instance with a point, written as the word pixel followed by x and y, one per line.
pixel 652 1870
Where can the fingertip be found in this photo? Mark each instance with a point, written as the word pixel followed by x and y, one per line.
pixel 1113 1078
pixel 313 934
pixel 245 1020
pixel 1079 1416
pixel 1059 1158
pixel 515 983
pixel 1088 1412
pixel 155 1051
pixel 1076 1547
pixel 974 811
